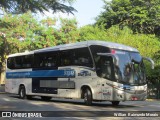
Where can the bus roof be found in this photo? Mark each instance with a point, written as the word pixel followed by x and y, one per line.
pixel 88 43
pixel 21 54
pixel 79 45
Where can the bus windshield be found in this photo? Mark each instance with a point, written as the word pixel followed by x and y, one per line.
pixel 131 68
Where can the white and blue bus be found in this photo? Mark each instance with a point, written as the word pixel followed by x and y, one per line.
pixel 90 70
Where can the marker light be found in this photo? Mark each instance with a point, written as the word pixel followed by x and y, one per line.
pixel 113 51
pixel 134 98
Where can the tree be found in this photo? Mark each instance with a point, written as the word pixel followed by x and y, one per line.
pixel 68 32
pixel 19 33
pixel 147 45
pixel 142 16
pixel 23 6
pixel 90 32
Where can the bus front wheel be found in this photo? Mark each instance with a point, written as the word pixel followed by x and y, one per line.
pixel 115 103
pixel 87 97
pixel 22 92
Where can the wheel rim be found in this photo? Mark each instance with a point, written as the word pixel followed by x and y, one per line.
pixel 21 93
pixel 85 97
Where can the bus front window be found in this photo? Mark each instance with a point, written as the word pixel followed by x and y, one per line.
pixel 123 72
pixel 138 68
pixel 131 68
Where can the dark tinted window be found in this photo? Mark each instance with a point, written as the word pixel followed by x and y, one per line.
pixel 11 63
pixel 20 62
pixel 46 60
pixel 27 61
pixel 105 67
pixel 79 56
pixel 66 58
pixel 98 49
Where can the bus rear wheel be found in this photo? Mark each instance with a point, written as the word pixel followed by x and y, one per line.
pixel 115 103
pixel 46 98
pixel 87 97
pixel 22 92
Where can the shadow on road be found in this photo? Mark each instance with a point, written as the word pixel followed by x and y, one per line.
pixel 78 102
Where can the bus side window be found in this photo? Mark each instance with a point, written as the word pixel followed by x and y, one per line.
pixel 46 60
pixel 11 63
pixel 104 67
pixel 98 49
pixel 18 62
pixel 76 57
pixel 66 58
pixel 82 57
pixel 27 61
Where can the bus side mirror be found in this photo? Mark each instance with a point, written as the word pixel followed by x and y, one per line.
pixel 150 60
pixel 115 57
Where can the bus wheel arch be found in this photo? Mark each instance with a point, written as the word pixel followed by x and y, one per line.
pixel 86 94
pixel 22 91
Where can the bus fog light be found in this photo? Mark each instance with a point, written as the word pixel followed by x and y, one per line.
pixel 120 92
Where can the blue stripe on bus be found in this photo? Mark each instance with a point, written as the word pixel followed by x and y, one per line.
pixel 41 73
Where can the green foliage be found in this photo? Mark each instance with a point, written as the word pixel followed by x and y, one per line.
pixel 148 45
pixel 23 32
pixel 23 6
pixel 142 16
pixel 135 23
pixel 19 33
pixel 90 32
pixel 68 32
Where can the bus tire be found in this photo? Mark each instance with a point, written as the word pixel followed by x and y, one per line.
pixel 87 97
pixel 46 98
pixel 115 103
pixel 22 92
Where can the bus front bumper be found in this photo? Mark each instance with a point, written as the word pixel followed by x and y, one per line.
pixel 128 96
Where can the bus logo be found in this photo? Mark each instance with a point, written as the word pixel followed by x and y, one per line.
pixel 84 73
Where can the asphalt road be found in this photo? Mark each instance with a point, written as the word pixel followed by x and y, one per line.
pixel 2 88
pixel 9 102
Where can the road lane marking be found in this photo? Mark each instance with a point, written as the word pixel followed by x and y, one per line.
pixel 6 99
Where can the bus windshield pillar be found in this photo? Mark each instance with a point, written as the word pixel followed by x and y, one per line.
pixel 150 60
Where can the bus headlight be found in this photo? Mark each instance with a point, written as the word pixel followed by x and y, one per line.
pixel 120 92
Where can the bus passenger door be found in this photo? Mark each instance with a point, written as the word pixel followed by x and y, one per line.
pixel 78 60
pixel 106 74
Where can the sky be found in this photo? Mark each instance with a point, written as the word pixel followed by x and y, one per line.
pixel 87 11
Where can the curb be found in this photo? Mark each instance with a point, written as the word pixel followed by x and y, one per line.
pixel 2 92
pixel 152 100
